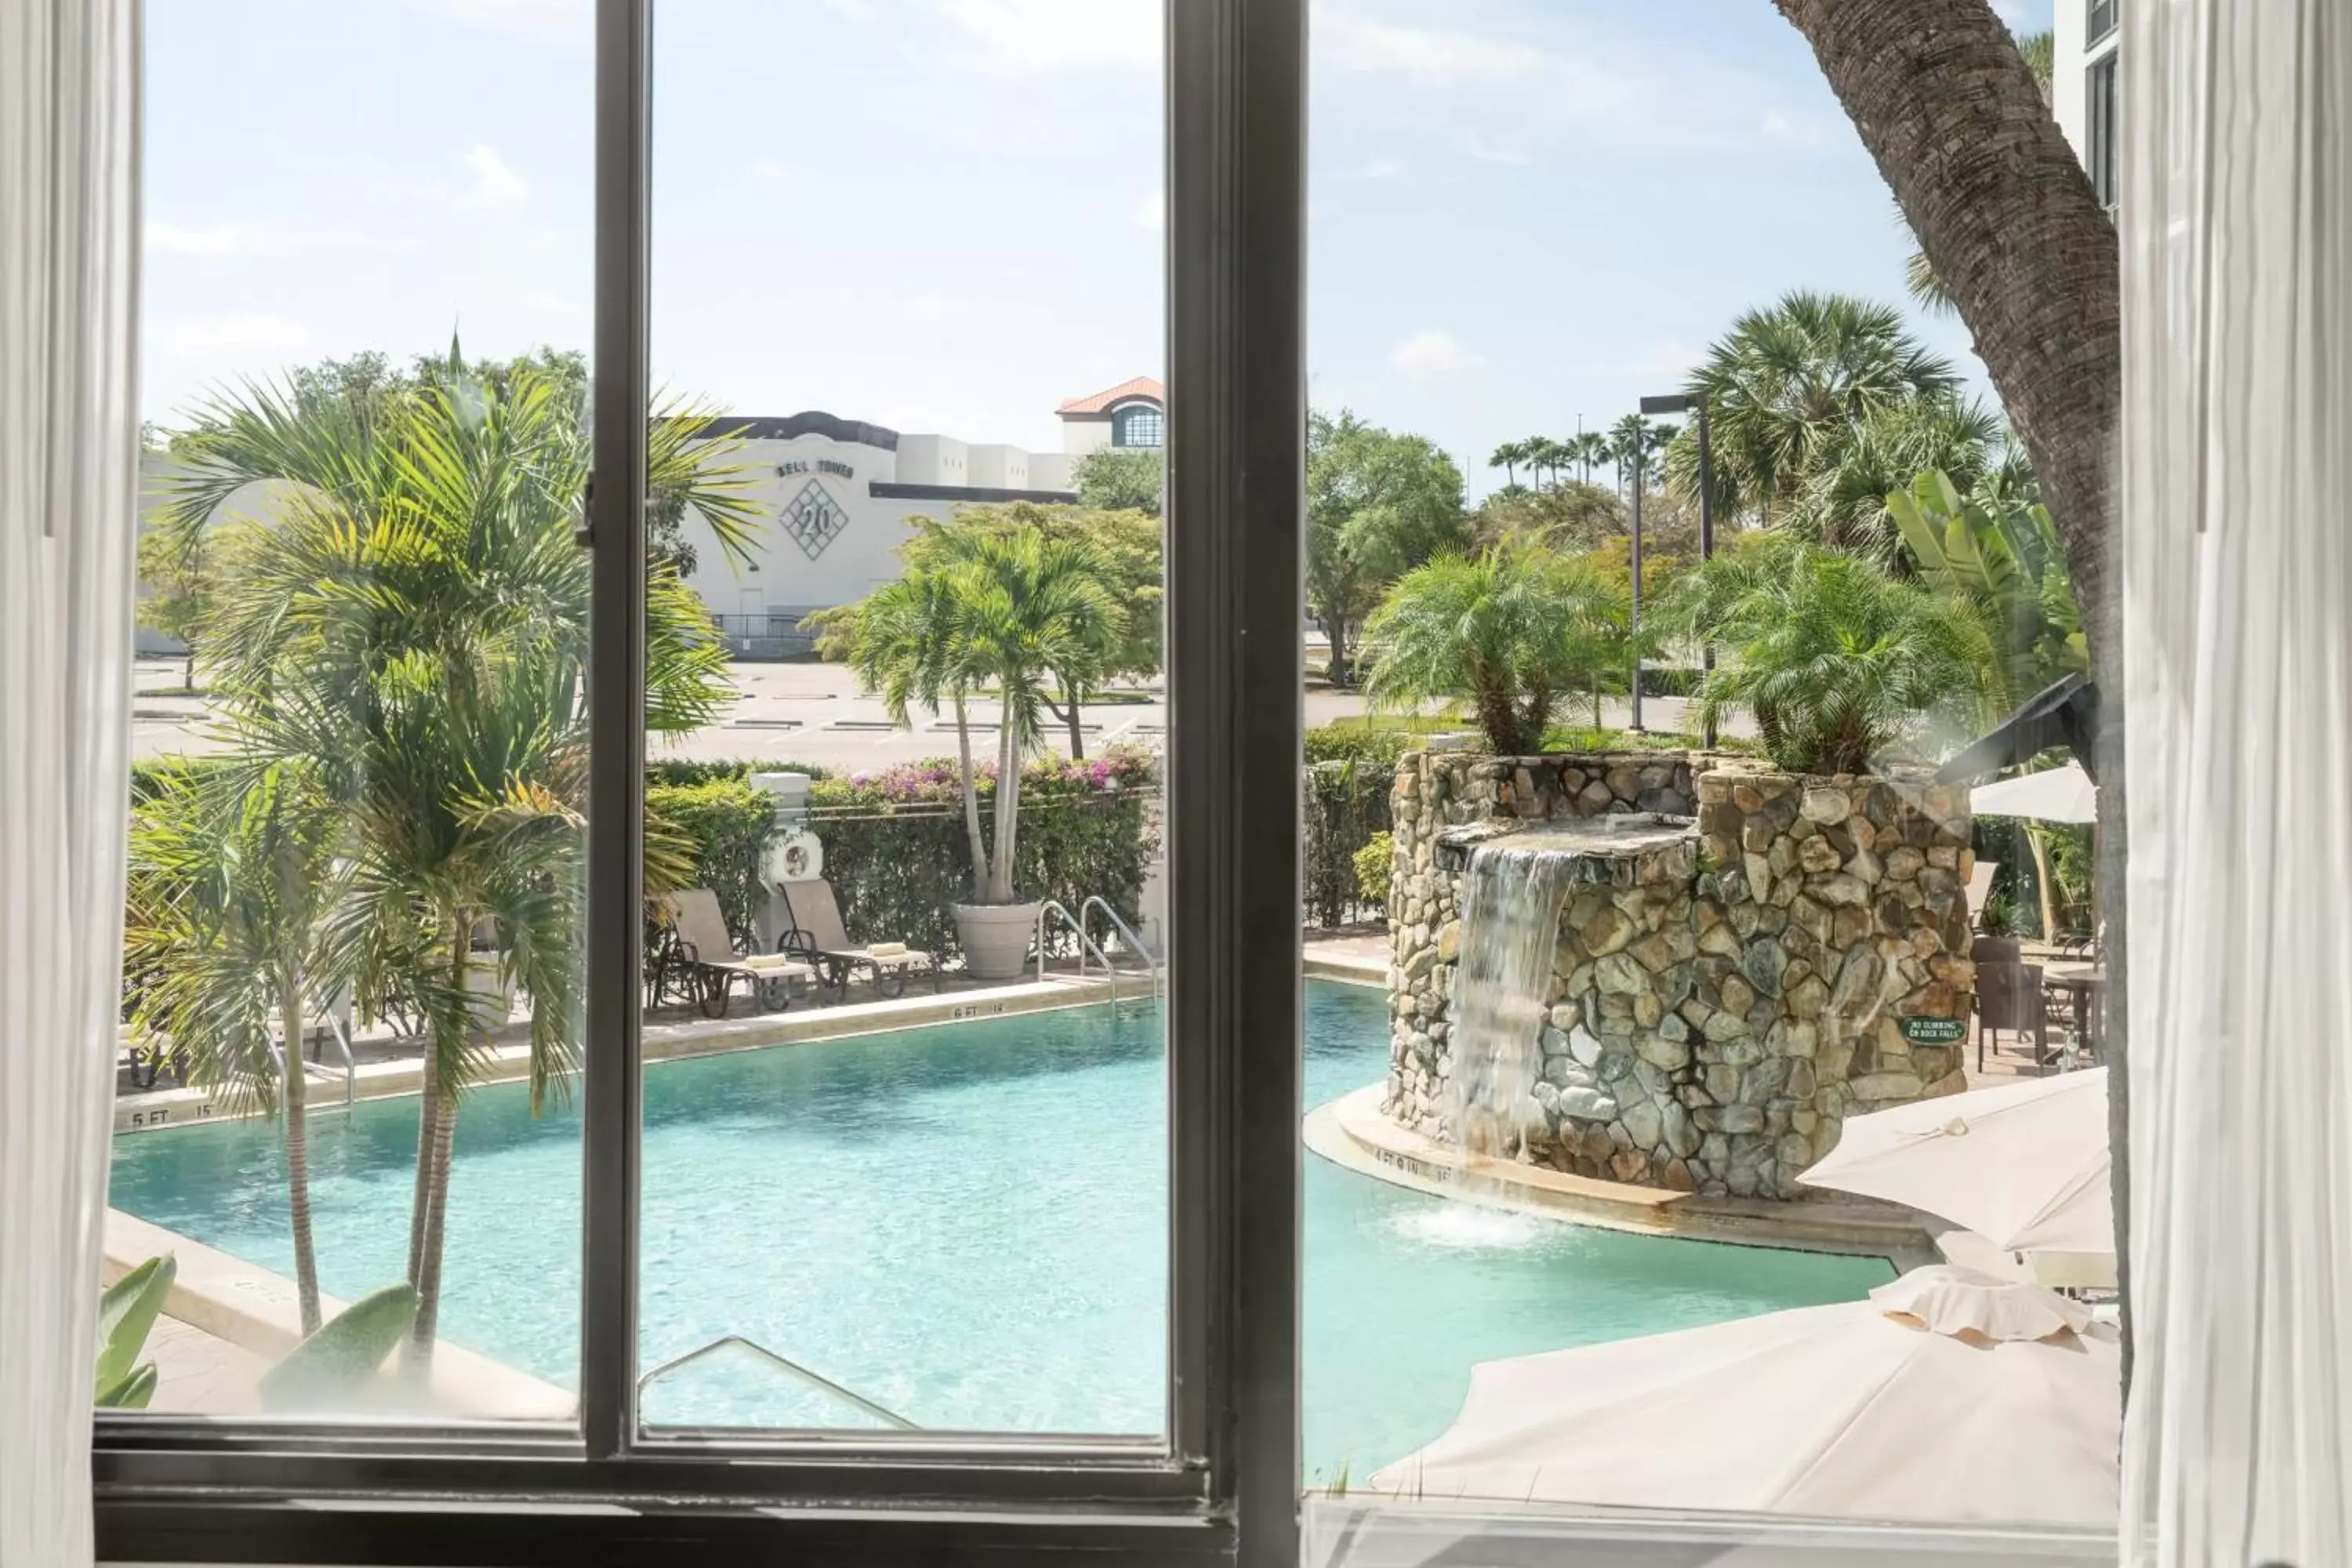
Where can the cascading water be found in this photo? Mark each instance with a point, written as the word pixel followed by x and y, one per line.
pixel 1511 895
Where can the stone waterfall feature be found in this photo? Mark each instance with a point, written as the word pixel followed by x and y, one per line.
pixel 1514 888
pixel 1720 995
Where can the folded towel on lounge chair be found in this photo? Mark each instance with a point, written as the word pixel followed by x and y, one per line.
pixel 777 960
pixel 884 949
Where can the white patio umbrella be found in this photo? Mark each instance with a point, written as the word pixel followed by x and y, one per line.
pixel 1947 1395
pixel 2055 795
pixel 2025 1166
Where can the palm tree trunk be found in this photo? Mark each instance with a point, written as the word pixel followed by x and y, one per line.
pixel 428 1273
pixel 1008 802
pixel 1953 117
pixel 437 1126
pixel 1077 742
pixel 971 802
pixel 2040 842
pixel 297 1109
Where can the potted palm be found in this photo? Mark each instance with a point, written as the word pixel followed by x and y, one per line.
pixel 980 610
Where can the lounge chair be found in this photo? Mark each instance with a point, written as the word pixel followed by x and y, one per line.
pixel 2008 996
pixel 707 949
pixel 814 933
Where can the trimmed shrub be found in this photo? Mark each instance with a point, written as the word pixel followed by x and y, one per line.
pixel 690 771
pixel 898 855
pixel 725 826
pixel 1346 803
pixel 1376 867
pixel 1361 743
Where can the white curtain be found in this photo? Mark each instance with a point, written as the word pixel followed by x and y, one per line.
pixel 68 483
pixel 2237 570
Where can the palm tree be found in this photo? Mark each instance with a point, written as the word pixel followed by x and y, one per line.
pixel 1629 447
pixel 1844 505
pixel 232 876
pixel 1591 447
pixel 1510 629
pixel 1507 458
pixel 1787 388
pixel 976 605
pixel 1837 659
pixel 411 626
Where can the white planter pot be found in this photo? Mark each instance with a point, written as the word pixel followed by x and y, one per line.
pixel 493 989
pixel 995 938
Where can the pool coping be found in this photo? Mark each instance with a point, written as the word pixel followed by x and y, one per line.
pixel 1350 1132
pixel 396 1078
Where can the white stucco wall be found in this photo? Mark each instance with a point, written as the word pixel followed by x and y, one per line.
pixel 1080 437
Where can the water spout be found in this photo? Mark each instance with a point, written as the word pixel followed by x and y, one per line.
pixel 1511 897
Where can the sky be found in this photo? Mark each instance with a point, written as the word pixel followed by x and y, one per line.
pixel 946 215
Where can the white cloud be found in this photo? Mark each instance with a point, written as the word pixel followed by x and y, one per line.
pixel 251 335
pixel 213 239
pixel 1060 34
pixel 1429 354
pixel 856 10
pixel 1151 212
pixel 2010 11
pixel 1383 169
pixel 568 25
pixel 775 174
pixel 1777 127
pixel 928 308
pixel 496 185
pixel 1436 56
pixel 553 303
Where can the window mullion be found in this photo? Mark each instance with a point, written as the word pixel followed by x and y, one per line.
pixel 619 394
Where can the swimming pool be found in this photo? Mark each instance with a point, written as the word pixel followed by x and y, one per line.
pixel 964 1223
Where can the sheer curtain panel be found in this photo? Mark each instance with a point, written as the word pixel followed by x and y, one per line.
pixel 2237 569
pixel 69 480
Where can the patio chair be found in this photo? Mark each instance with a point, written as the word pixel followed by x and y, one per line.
pixel 814 933
pixel 2009 996
pixel 707 949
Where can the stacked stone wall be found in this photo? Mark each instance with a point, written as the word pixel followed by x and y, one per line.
pixel 1717 1009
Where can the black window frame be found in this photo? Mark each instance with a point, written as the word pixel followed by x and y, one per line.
pixel 1124 421
pixel 184 1488
pixel 2102 89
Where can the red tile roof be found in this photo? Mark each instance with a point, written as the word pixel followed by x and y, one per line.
pixel 1141 386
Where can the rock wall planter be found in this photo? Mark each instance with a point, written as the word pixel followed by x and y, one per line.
pixel 1712 1021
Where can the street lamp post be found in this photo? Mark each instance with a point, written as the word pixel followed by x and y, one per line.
pixel 1637 444
pixel 1682 403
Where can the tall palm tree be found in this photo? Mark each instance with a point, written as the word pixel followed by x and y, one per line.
pixel 979 606
pixel 411 625
pixel 1591 447
pixel 1787 388
pixel 1507 458
pixel 232 877
pixel 1511 629
pixel 1838 659
pixel 1629 448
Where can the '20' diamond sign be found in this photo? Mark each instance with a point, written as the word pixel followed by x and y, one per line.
pixel 815 519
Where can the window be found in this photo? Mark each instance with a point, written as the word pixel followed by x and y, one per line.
pixel 2100 21
pixel 2099 110
pixel 677 1383
pixel 1138 427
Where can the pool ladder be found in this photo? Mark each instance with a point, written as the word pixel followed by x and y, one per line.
pixel 1087 945
pixel 782 1364
pixel 334 1028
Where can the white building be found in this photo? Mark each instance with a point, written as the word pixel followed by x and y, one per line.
pixel 2082 87
pixel 837 496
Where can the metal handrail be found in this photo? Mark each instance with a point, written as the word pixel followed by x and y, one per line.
pixel 815 1380
pixel 1086 944
pixel 1151 966
pixel 334 1028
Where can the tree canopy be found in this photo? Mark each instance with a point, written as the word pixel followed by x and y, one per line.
pixel 1378 505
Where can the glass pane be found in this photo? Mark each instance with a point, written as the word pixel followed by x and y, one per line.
pixel 352 991
pixel 907 302
pixel 1668 545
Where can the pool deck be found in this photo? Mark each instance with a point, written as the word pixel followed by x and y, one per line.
pixel 1351 1133
pixel 226 1321
pixel 385 1072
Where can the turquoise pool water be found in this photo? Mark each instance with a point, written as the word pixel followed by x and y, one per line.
pixel 964 1223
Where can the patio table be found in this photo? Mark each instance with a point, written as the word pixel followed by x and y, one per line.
pixel 2082 984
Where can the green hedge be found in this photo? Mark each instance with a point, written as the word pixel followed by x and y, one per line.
pixel 898 856
pixel 690 771
pixel 726 827
pixel 1346 805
